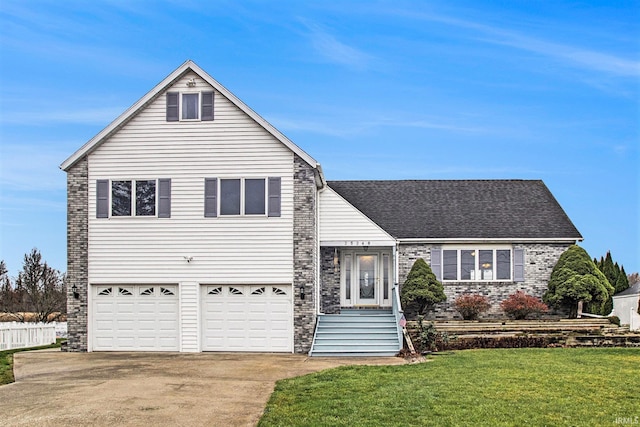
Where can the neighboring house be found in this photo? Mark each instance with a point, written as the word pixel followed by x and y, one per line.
pixel 626 305
pixel 195 225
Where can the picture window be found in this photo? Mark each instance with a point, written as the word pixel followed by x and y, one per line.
pixel 476 264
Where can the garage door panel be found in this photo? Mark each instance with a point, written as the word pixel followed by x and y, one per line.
pixel 135 317
pixel 242 318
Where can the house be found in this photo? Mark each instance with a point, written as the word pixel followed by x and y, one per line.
pixel 626 305
pixel 195 225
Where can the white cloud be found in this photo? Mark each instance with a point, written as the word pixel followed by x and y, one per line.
pixel 335 51
pixel 579 57
pixel 359 124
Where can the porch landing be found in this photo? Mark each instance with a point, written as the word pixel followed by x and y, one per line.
pixel 356 332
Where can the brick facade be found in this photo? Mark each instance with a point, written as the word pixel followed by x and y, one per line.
pixel 77 254
pixel 329 282
pixel 539 262
pixel 304 254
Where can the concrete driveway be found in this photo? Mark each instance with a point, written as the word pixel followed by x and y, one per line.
pixel 166 389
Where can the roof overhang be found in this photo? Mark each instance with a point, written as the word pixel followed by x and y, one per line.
pixel 492 240
pixel 188 66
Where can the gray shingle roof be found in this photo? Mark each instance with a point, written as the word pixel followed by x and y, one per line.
pixel 632 290
pixel 460 208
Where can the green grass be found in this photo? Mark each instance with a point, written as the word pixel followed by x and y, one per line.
pixel 6 360
pixel 505 387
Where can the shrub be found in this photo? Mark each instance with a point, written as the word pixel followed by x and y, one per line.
pixel 575 278
pixel 614 319
pixel 429 339
pixel 519 305
pixel 421 290
pixel 470 305
pixel 523 341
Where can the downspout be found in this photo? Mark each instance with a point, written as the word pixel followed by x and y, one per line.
pixel 318 252
pixel 396 251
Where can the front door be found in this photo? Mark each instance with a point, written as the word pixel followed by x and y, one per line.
pixel 367 279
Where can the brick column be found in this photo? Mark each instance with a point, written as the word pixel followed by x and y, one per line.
pixel 77 254
pixel 304 254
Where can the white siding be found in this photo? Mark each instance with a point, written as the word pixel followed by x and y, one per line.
pixel 341 222
pixel 189 319
pixel 224 249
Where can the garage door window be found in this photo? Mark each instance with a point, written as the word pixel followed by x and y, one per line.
pixel 125 292
pixel 256 317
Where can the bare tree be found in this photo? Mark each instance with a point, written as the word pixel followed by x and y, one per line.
pixel 633 278
pixel 8 296
pixel 40 289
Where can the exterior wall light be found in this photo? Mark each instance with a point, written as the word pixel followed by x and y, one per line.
pixel 74 290
pixel 302 294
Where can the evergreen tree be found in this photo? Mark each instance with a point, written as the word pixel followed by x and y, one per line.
pixel 609 269
pixel 574 278
pixel 622 282
pixel 421 290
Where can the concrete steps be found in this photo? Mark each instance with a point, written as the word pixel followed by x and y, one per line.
pixel 356 333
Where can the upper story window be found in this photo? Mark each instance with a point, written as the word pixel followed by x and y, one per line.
pixel 189 106
pixel 242 196
pixel 125 198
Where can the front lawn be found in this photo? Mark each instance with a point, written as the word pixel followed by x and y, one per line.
pixel 6 361
pixel 510 387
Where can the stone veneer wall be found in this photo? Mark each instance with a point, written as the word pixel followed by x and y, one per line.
pixel 330 282
pixel 304 254
pixel 539 261
pixel 77 254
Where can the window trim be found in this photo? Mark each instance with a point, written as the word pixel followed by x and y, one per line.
pixel 477 248
pixel 243 196
pixel 199 108
pixel 133 201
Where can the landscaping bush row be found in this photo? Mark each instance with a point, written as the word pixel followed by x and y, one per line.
pixel 517 306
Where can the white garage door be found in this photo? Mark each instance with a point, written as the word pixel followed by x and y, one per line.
pixel 140 317
pixel 247 318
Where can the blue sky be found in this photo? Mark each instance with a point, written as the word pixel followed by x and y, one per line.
pixel 372 90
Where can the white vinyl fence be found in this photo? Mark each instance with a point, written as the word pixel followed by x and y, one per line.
pixel 634 320
pixel 23 335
